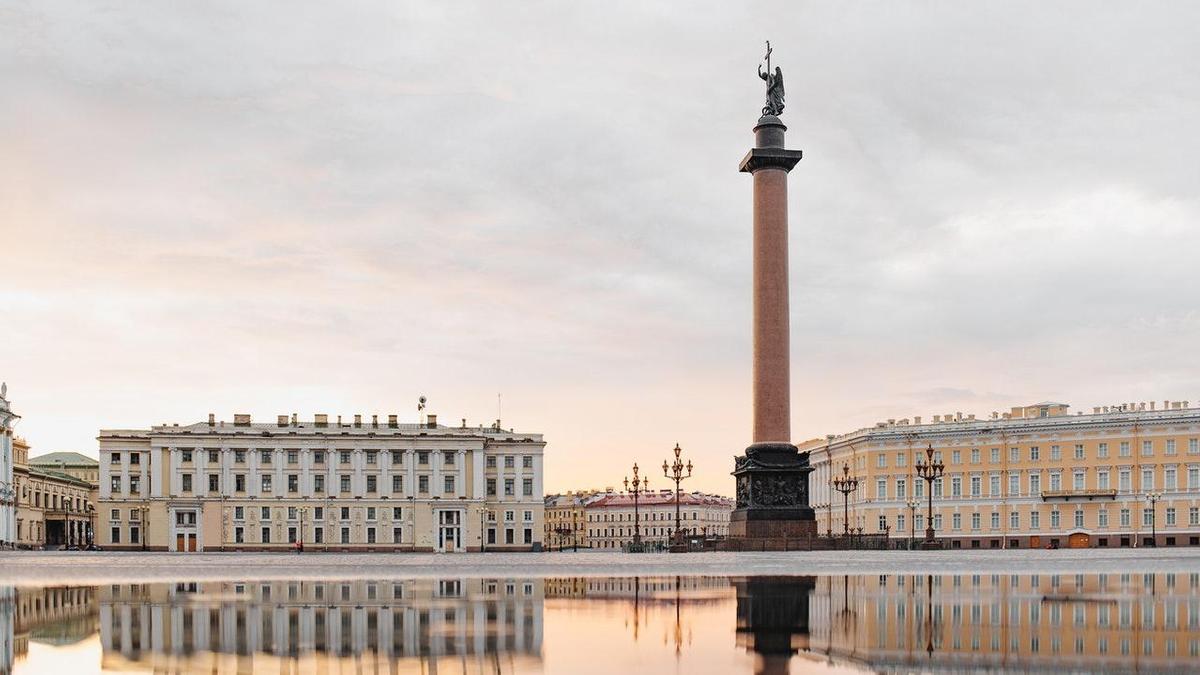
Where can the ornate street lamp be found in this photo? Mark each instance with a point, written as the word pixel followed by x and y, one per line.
pixel 845 484
pixel 676 474
pixel 1153 496
pixel 912 505
pixel 930 471
pixel 636 488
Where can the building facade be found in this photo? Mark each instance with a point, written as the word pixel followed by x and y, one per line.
pixel 70 463
pixel 566 519
pixel 8 488
pixel 354 486
pixel 54 510
pixel 1121 476
pixel 611 518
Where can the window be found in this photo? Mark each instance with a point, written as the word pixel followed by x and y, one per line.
pixel 1055 482
pixel 1124 451
pixel 1079 451
pixel 422 458
pixel 1169 480
pixel 114 458
pixel 975 485
pixel 1123 480
pixel 527 462
pixel 186 482
pixel 995 520
pixel 1147 448
pixel 1102 479
pixel 214 482
pixel 528 536
pixel 344 457
pixel 291 513
pixel 956 486
pixel 344 483
pixel 974 455
pixel 214 456
pixel 1014 484
pixel 1194 446
pixel 994 485
pixel 1194 515
pixel 266 483
pixel 115 484
pixel 185 456
pixel 490 462
pixel 318 457
pixel 1035 519
pixel 372 457
pixel 266 535
pixel 1079 480
pixel 1055 519
pixel 901 459
pixel 344 513
pixel 956 521
pixel 527 487
pixel 901 488
pixel 318 513
pixel 397 484
pixel 372 483
pixel 239 482
pixel 449 458
pixel 881 460
pixel 1125 518
pixel 1170 449
pixel 1055 453
pixel 370 513
pixel 1014 520
pixel 239 535
pixel 1102 518
pixel 1102 451
pixel 1170 515
pixel 345 535
pixel 319 538
pixel 1014 455
pixel 293 482
pixel 293 457
pixel 449 486
pixel 397 535
pixel 956 457
pixel 397 512
pixel 264 457
pixel 265 513
pixel 239 456
pixel 1034 453
pixel 491 487
pixel 1078 517
pixel 116 535
pixel 1147 479
pixel 509 489
pixel 319 484
pixel 975 521
pixel 528 516
pixel 423 484
pixel 1147 517
pixel 508 535
pixel 508 461
pixel 1193 477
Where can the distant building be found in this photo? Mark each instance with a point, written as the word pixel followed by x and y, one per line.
pixel 610 519
pixel 71 463
pixel 8 488
pixel 565 518
pixel 358 485
pixel 54 509
pixel 1036 476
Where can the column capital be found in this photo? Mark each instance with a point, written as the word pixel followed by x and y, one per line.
pixel 770 158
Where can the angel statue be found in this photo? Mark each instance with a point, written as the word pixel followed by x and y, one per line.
pixel 774 82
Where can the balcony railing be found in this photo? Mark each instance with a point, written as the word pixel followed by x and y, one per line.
pixel 1068 495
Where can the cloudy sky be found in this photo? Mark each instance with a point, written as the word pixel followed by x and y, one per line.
pixel 257 207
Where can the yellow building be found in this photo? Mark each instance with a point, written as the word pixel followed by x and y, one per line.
pixel 565 518
pixel 54 510
pixel 1122 475
pixel 365 485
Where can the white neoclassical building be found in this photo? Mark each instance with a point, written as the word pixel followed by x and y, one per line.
pixel 8 487
pixel 328 485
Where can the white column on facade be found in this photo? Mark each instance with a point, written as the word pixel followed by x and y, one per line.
pixel 253 482
pixel 460 474
pixel 410 487
pixel 435 479
pixel 279 460
pixel 385 471
pixel 172 473
pixel 479 487
pixel 537 477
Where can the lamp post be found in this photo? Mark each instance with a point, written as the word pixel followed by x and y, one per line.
pixel 1153 496
pixel 912 505
pixel 845 484
pixel 930 471
pixel 300 533
pixel 636 487
pixel 676 474
pixel 145 510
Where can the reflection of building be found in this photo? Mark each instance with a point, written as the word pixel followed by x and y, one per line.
pixel 8 491
pixel 302 624
pixel 53 508
pixel 565 518
pixel 1084 623
pixel 361 485
pixel 610 519
pixel 692 589
pixel 55 615
pixel 1035 476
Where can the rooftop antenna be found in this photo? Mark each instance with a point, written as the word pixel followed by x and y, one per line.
pixel 499 409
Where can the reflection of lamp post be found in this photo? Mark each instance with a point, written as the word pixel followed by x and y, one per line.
pixel 912 505
pixel 845 484
pixel 930 471
pixel 639 486
pixel 929 616
pixel 677 475
pixel 1153 496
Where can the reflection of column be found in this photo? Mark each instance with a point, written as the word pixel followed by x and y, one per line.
pixel 8 628
pixel 772 619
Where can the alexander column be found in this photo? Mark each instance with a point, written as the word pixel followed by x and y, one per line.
pixel 772 477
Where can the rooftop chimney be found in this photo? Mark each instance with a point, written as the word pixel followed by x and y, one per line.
pixel 392 421
pixel 295 419
pixel 321 420
pixel 212 419
pixel 357 421
pixel 375 420
pixel 431 421
pixel 281 420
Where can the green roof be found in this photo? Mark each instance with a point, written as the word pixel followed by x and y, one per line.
pixel 63 458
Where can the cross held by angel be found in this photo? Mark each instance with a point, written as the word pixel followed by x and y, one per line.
pixel 774 80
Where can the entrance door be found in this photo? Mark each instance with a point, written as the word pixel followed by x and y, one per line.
pixel 449 530
pixel 1078 540
pixel 180 542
